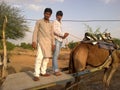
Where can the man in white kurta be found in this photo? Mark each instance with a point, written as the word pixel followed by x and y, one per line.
pixel 43 39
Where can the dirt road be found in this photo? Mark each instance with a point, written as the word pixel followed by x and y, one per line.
pixel 23 60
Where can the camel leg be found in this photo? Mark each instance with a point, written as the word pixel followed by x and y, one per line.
pixel 113 69
pixel 105 75
pixel 81 59
pixel 83 63
pixel 108 76
pixel 106 72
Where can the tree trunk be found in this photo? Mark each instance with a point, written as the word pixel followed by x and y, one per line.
pixel 4 49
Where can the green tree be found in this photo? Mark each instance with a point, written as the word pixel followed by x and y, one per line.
pixel 72 44
pixel 16 26
pixel 116 41
pixel 26 46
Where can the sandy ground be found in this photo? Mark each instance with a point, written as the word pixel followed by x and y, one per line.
pixel 23 60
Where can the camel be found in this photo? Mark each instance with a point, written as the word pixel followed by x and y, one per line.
pixel 87 54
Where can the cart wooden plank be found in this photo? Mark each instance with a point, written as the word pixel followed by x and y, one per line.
pixel 24 81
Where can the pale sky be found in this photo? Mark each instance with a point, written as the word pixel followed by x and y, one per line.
pixel 73 10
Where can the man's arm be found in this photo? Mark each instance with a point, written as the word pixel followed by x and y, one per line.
pixel 34 37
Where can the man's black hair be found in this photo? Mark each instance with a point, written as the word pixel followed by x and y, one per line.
pixel 59 13
pixel 48 10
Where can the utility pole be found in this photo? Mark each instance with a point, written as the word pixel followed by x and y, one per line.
pixel 4 67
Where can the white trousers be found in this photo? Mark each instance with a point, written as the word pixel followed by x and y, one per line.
pixel 40 63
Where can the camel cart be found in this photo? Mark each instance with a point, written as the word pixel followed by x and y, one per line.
pixel 24 80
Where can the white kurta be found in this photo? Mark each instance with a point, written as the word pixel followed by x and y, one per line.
pixel 43 34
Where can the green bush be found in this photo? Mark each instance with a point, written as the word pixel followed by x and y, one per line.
pixel 10 46
pixel 26 46
pixel 72 44
pixel 116 41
